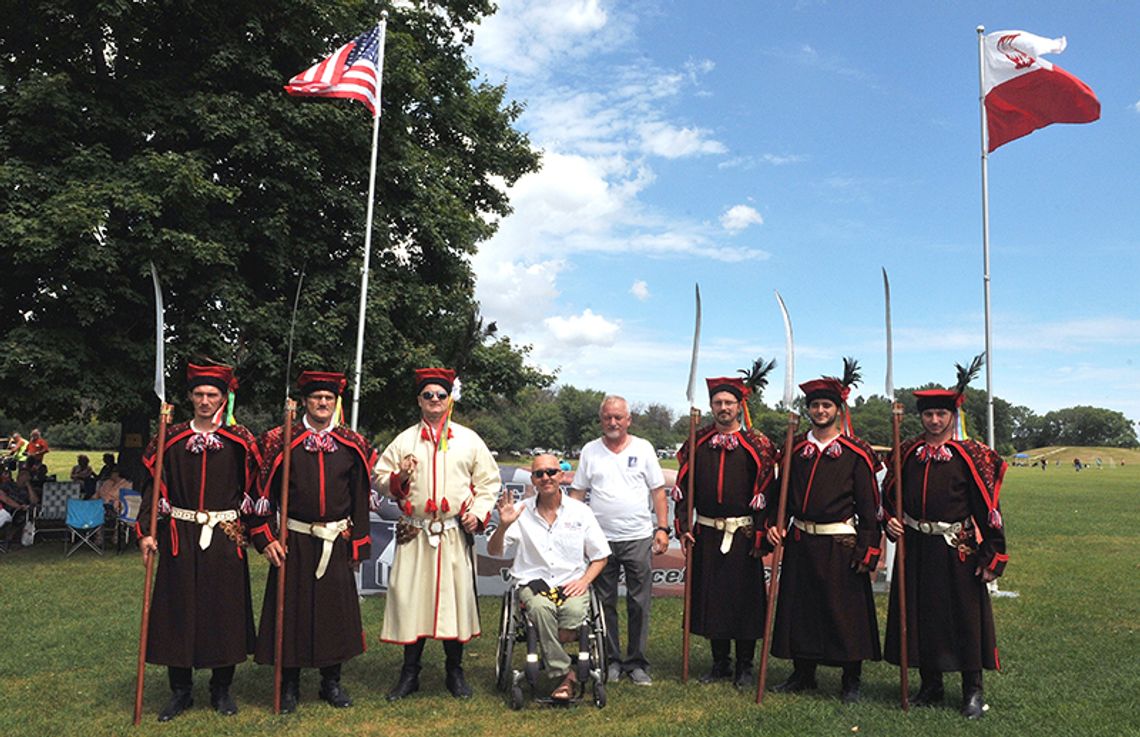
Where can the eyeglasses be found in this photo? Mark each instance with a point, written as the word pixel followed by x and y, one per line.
pixel 434 395
pixel 548 472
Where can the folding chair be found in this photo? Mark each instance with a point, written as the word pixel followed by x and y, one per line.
pixel 129 503
pixel 51 514
pixel 85 522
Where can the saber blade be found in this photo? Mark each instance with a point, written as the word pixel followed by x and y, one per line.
pixel 159 338
pixel 691 391
pixel 890 346
pixel 789 356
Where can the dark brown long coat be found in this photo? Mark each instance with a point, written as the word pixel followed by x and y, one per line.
pixel 322 616
pixel 826 610
pixel 950 623
pixel 202 615
pixel 728 592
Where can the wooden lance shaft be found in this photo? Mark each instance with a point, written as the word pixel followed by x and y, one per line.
pixel 164 412
pixel 283 535
pixel 900 556
pixel 694 417
pixel 777 555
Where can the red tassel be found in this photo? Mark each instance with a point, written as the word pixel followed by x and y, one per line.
pixel 407 507
pixel 444 506
pixel 430 507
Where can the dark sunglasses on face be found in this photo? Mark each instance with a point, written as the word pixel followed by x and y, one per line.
pixel 434 395
pixel 549 472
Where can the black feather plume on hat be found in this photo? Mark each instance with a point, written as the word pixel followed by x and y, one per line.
pixel 966 375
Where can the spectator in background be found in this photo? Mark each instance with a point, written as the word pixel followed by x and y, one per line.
pixel 31 479
pixel 84 474
pixel 37 446
pixel 13 503
pixel 108 466
pixel 17 452
pixel 108 490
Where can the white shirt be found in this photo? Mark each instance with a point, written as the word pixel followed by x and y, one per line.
pixel 620 486
pixel 557 553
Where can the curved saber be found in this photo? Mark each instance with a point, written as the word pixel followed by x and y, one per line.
pixel 782 505
pixel 691 391
pixel 292 325
pixel 789 356
pixel 159 338
pixel 890 345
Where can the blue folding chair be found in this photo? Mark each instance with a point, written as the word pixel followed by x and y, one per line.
pixel 84 525
pixel 129 503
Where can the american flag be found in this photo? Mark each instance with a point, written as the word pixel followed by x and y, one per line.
pixel 352 71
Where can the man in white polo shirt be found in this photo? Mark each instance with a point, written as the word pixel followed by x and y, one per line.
pixel 621 473
pixel 558 549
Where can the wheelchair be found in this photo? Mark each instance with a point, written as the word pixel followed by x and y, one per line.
pixel 590 666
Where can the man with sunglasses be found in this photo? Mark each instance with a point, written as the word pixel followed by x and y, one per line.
pixel 446 482
pixel 329 534
pixel 558 550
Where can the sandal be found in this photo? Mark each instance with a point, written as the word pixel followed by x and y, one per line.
pixel 566 689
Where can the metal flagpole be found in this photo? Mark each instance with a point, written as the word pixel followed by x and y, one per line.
pixel 986 237
pixel 368 225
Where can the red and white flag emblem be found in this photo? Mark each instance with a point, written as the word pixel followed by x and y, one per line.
pixel 1024 92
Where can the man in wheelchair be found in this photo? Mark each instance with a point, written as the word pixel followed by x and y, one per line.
pixel 558 550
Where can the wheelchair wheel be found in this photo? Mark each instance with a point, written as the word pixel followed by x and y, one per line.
pixel 516 700
pixel 598 638
pixel 506 646
pixel 599 694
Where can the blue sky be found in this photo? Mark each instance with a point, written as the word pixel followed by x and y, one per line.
pixel 801 146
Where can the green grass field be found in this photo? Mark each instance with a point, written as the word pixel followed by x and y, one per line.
pixel 1069 647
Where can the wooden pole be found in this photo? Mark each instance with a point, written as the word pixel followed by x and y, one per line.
pixel 165 410
pixel 283 535
pixel 900 557
pixel 694 417
pixel 777 555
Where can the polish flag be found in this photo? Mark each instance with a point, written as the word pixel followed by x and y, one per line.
pixel 1024 92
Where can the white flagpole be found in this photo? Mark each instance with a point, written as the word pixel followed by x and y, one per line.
pixel 368 226
pixel 986 237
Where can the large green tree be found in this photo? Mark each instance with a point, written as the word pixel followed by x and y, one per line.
pixel 158 131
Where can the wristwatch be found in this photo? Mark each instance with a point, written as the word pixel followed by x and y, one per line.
pixel 661 529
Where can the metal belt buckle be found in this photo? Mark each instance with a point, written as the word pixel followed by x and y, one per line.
pixel 435 527
pixel 719 523
pixel 926 527
pixel 955 528
pixel 202 518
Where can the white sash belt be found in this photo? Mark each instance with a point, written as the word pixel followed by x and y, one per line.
pixel 728 524
pixel 326 532
pixel 433 527
pixel 948 530
pixel 846 527
pixel 208 520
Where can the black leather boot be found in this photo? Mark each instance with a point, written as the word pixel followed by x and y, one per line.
pixel 742 674
pixel 332 692
pixel 222 702
pixel 930 692
pixel 457 684
pixel 720 671
pixel 852 677
pixel 408 684
pixel 973 704
pixel 290 695
pixel 802 678
pixel 181 699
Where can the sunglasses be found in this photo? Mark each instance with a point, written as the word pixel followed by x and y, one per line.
pixel 548 472
pixel 434 395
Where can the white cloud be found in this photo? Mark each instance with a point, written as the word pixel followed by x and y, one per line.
pixel 585 329
pixel 640 290
pixel 527 37
pixel 672 142
pixel 739 217
pixel 1136 107
pixel 751 162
